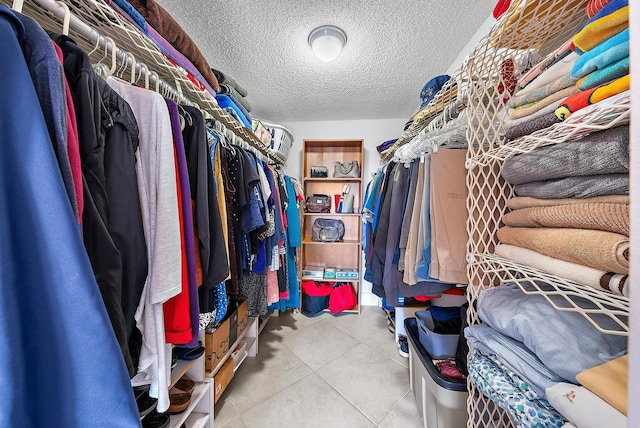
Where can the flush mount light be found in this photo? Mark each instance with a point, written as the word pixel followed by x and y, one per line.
pixel 327 42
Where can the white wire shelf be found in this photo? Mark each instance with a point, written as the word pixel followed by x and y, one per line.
pixel 597 119
pixel 607 312
pixel 92 22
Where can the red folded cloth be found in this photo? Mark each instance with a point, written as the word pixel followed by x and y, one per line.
pixel 449 370
pixel 501 7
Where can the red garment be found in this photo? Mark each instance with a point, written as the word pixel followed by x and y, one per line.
pixel 595 6
pixel 177 315
pixel 73 144
pixel 449 370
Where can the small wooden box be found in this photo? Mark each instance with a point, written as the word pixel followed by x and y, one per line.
pixel 222 379
pixel 216 345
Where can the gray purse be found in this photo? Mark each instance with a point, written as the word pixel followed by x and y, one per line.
pixel 346 169
pixel 327 230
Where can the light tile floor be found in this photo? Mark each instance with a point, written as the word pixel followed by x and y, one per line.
pixel 327 371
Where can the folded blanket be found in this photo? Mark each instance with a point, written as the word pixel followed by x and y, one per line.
pixel 599 77
pixel 604 152
pixel 509 391
pixel 132 13
pixel 229 90
pixel 612 19
pixel 596 216
pixel 559 69
pixel 584 98
pixel 527 110
pixel 598 279
pixel 607 52
pixel 566 342
pixel 609 382
pixel 228 80
pixel 170 30
pixel 550 60
pixel 576 187
pixel 528 125
pixel 518 202
pixel 550 88
pixel 605 251
pixel 584 408
pixel 595 6
pixel 513 354
pixel 227 103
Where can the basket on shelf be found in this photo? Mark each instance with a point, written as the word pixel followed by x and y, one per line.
pixel 281 138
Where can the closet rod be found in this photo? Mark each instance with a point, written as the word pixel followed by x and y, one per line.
pixel 94 38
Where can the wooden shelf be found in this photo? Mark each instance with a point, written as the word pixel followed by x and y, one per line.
pixel 333 180
pixel 308 241
pixel 345 253
pixel 313 278
pixel 333 214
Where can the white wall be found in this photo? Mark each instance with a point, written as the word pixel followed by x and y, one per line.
pixel 373 132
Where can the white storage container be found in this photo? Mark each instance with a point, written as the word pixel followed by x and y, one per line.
pixel 437 345
pixel 441 403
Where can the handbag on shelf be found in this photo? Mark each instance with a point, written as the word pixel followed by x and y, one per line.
pixel 319 172
pixel 346 200
pixel 315 297
pixel 318 203
pixel 327 230
pixel 346 169
pixel 342 297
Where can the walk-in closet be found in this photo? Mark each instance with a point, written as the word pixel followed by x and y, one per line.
pixel 340 214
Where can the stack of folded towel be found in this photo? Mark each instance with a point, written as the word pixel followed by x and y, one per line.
pixel 535 373
pixel 232 98
pixel 571 216
pixel 587 69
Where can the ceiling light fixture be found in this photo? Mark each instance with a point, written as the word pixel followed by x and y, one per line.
pixel 327 42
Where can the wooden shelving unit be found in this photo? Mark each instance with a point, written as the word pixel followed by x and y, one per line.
pixel 346 253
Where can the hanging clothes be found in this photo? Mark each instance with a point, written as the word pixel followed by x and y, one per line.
pixel 156 174
pixel 52 316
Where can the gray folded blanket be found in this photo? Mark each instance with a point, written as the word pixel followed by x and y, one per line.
pixel 576 187
pixel 228 80
pixel 604 152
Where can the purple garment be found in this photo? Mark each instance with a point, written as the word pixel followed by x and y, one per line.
pixel 384 146
pixel 188 220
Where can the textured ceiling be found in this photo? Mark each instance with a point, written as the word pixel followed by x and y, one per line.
pixel 392 49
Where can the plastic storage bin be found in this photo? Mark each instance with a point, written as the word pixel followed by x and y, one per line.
pixel 441 403
pixel 437 345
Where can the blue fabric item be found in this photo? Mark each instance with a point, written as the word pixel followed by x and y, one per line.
pixel 53 321
pixel 422 270
pixel 134 14
pixel 215 140
pixel 225 102
pixel 242 109
pixel 431 88
pixel 294 240
pixel 222 301
pixel 611 50
pixel 444 313
pixel 566 342
pixel 508 391
pixel 514 355
pixel 607 74
pixel 48 79
pixel 608 9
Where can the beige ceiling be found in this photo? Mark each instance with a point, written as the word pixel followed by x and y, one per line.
pixel 392 49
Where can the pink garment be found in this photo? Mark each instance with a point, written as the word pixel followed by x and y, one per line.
pixel 73 144
pixel 273 295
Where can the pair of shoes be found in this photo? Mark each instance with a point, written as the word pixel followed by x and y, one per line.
pixel 187 353
pixel 156 420
pixel 403 346
pixel 179 401
pixel 145 403
pixel 180 395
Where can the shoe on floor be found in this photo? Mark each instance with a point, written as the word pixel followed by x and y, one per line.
pixel 403 346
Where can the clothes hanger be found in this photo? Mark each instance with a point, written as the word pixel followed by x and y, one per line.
pixel 66 19
pixel 17 5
